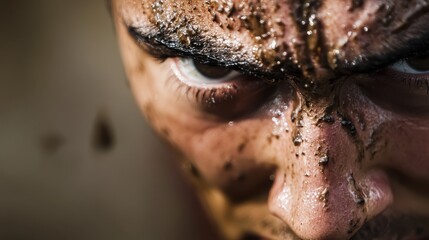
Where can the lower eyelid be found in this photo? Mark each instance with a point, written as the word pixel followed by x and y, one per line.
pixel 190 76
pixel 398 91
pixel 203 95
pixel 415 81
pixel 208 94
pixel 230 99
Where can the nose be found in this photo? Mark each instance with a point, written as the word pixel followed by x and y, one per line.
pixel 323 188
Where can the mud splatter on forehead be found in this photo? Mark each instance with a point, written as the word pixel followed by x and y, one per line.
pixel 244 30
pixel 313 40
pixel 311 53
pixel 374 33
pixel 254 17
pixel 175 17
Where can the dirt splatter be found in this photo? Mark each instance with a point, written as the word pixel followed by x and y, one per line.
pixel 348 125
pixel 324 160
pixel 241 147
pixel 355 191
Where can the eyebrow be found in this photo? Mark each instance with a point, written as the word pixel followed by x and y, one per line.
pixel 418 46
pixel 160 45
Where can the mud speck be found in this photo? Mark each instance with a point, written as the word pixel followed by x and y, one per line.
pixel 297 140
pixel 355 191
pixel 241 147
pixel 349 126
pixel 328 118
pixel 324 160
pixel 323 196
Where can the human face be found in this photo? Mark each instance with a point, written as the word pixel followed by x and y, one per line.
pixel 300 119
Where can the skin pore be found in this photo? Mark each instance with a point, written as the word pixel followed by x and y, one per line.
pixel 300 119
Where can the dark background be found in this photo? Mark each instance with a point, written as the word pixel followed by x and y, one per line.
pixel 77 160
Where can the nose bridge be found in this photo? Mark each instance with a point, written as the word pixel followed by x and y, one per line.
pixel 321 191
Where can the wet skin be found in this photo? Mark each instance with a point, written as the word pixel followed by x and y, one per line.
pixel 321 129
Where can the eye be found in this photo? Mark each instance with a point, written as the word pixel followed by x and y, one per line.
pixel 218 90
pixel 403 87
pixel 197 74
pixel 412 65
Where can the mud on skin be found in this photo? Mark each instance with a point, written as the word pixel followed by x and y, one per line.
pixel 333 153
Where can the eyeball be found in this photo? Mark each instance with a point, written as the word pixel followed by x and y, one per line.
pixel 412 65
pixel 197 74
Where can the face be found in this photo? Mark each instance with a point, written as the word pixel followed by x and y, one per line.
pixel 297 119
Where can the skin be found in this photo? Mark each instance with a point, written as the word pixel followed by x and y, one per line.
pixel 320 139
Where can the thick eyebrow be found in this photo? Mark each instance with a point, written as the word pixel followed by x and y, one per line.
pixel 161 45
pixel 417 46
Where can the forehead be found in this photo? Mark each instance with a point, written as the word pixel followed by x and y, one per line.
pixel 305 36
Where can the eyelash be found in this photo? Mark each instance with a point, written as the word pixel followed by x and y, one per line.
pixel 206 96
pixel 415 82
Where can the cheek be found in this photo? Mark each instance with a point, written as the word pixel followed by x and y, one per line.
pixel 237 158
pixel 390 140
pixel 408 143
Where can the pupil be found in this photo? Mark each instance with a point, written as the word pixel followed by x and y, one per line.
pixel 419 64
pixel 211 71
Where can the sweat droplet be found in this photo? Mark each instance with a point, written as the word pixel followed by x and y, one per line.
pixel 279 118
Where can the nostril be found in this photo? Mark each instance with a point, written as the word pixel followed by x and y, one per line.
pixel 378 192
pixel 323 209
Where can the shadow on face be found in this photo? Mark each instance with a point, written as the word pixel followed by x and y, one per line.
pixel 301 120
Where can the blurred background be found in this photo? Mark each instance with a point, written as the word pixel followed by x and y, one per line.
pixel 77 160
